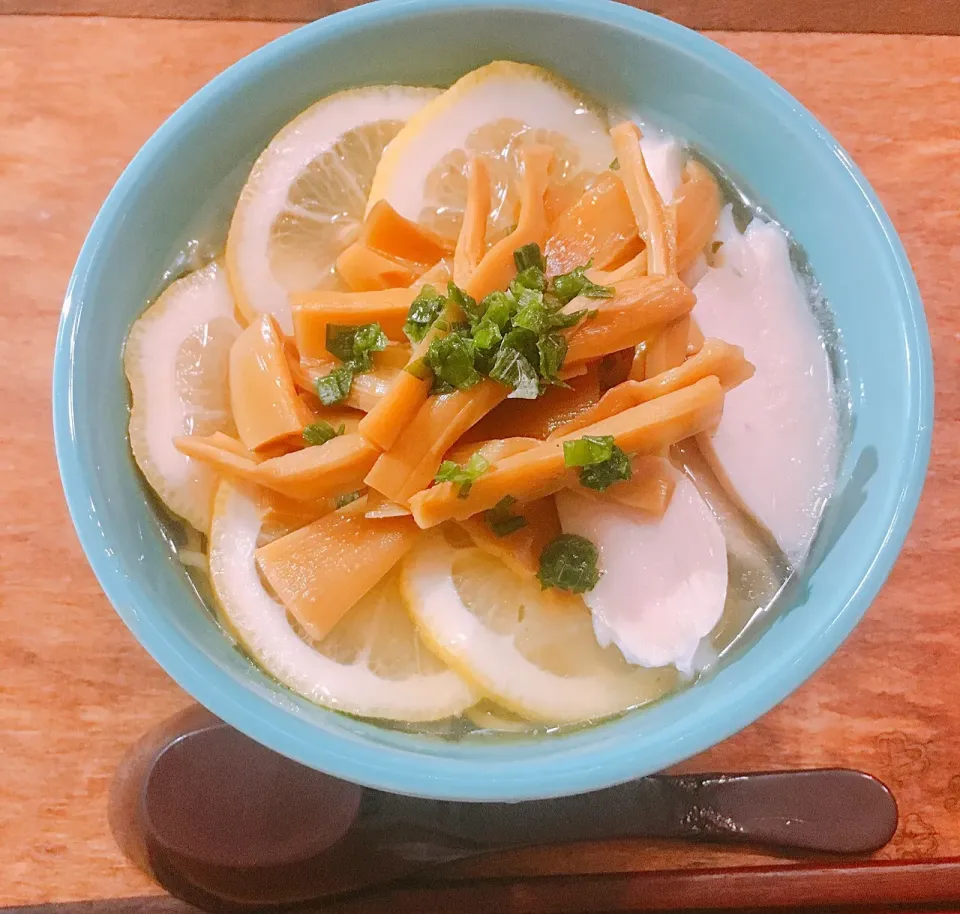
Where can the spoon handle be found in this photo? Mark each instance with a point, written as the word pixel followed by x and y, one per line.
pixel 833 810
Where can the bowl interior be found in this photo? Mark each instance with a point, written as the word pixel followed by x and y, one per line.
pixel 687 84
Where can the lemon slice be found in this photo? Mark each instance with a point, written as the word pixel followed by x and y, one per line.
pixel 532 651
pixel 492 111
pixel 305 197
pixel 372 664
pixel 176 361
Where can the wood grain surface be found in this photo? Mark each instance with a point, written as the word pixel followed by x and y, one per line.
pixel 916 17
pixel 815 889
pixel 77 98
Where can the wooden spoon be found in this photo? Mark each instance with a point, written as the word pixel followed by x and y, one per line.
pixel 226 824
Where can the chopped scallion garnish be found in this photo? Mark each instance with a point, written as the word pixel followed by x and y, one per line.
pixel 601 463
pixel 355 343
pixel 516 364
pixel 601 476
pixel 567 286
pixel 321 432
pixel 569 563
pixel 335 387
pixel 500 519
pixel 451 360
pixel 462 476
pixel 424 310
pixel 588 450
pixel 553 350
pixel 529 256
pixel 467 304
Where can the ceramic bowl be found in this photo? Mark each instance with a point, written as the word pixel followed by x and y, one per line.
pixel 693 87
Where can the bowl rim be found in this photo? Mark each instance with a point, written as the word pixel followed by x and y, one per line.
pixel 433 775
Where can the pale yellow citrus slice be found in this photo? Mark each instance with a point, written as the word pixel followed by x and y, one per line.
pixel 372 664
pixel 492 111
pixel 176 360
pixel 532 651
pixel 304 200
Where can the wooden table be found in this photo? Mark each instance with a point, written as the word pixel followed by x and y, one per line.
pixel 78 96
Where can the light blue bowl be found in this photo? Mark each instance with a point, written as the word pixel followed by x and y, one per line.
pixel 739 118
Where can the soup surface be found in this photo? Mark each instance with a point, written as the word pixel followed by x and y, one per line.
pixel 498 411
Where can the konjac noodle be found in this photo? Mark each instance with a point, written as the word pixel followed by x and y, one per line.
pixel 490 415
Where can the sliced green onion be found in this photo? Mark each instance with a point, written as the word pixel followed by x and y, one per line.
pixel 553 350
pixel 335 387
pixel 462 477
pixel 321 432
pixel 498 308
pixel 568 286
pixel 569 563
pixel 515 364
pixel 355 343
pixel 451 360
pixel 500 519
pixel 424 310
pixel 531 278
pixel 588 450
pixel 529 256
pixel 601 476
pixel 467 303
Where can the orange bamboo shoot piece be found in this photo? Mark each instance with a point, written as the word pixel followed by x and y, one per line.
pixel 336 416
pixel 398 404
pixel 697 205
pixel 305 371
pixel 636 266
pixel 491 450
pixel 415 457
pixel 649 489
pixel 599 227
pixel 320 571
pixel 224 454
pixel 366 391
pixel 313 473
pixel 397 409
pixel 521 549
pixel 696 339
pixel 390 234
pixel 396 355
pixel 323 471
pixel 654 223
pixel 638 306
pixel 644 429
pixel 263 398
pixel 364 270
pixel 472 241
pixel 717 358
pixel 666 350
pixel 561 195
pixel 697 209
pixel 538 418
pixel 497 268
pixel 312 311
pixel 280 515
pixel 378 505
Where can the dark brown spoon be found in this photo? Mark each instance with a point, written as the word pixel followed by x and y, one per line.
pixel 225 824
